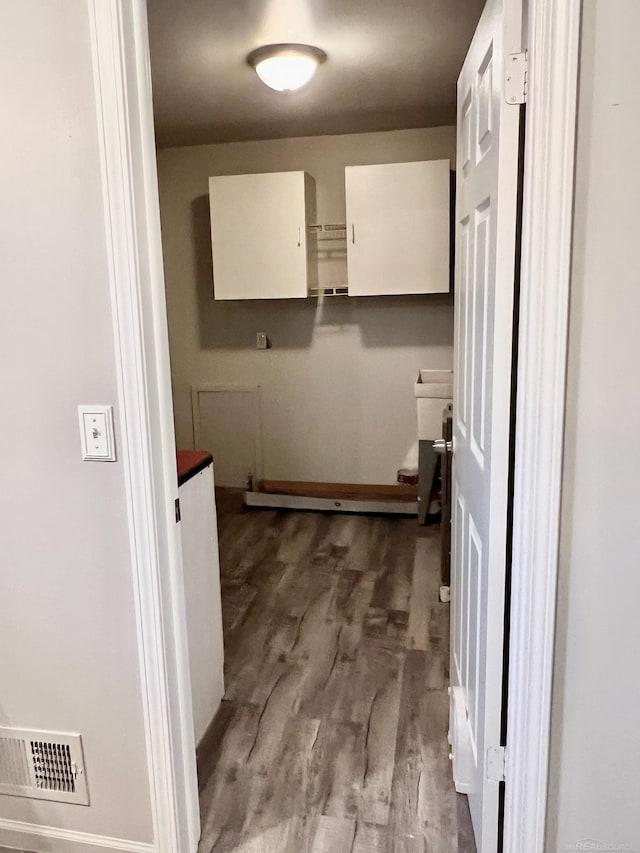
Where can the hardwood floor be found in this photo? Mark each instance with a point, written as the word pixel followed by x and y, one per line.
pixel 332 734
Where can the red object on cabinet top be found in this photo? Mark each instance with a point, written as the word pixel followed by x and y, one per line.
pixel 190 462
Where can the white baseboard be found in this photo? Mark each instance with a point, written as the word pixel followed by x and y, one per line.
pixel 36 838
pixel 385 507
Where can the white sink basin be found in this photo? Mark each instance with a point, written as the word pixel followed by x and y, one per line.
pixel 435 383
pixel 433 390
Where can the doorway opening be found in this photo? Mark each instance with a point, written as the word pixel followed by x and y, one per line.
pixel 120 55
pixel 332 732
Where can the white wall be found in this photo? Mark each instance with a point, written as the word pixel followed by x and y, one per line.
pixel 337 386
pixel 68 648
pixel 595 766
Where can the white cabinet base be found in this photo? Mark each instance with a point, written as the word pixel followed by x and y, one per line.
pixel 201 567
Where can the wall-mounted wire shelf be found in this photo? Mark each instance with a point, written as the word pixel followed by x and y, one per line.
pixel 328 232
pixel 338 290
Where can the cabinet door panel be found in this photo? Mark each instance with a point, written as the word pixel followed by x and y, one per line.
pixel 398 228
pixel 258 236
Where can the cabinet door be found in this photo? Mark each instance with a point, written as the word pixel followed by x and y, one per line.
pixel 258 235
pixel 398 228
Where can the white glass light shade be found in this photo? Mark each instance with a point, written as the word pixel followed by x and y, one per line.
pixel 286 73
pixel 286 68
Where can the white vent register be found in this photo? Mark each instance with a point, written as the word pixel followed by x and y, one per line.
pixel 42 766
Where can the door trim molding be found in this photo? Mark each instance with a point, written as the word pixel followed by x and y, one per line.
pixel 553 36
pixel 124 112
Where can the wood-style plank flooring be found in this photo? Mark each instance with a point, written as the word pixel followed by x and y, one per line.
pixel 332 734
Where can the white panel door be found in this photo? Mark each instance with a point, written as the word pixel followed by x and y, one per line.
pixel 398 228
pixel 258 235
pixel 486 207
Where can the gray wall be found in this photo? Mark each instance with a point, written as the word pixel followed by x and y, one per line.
pixel 332 362
pixel 595 762
pixel 68 658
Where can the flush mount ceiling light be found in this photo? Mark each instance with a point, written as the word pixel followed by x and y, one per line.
pixel 286 67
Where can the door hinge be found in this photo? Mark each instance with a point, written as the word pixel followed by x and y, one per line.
pixel 516 71
pixel 177 508
pixel 496 763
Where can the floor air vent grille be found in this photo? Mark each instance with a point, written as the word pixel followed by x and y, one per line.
pixel 13 761
pixel 42 765
pixel 52 765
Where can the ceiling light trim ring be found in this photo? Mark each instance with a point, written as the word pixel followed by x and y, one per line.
pixel 269 50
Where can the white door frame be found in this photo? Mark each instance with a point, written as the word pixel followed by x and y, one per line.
pixel 122 85
pixel 125 119
pixel 553 39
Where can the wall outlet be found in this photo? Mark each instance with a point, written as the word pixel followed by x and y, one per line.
pixel 262 341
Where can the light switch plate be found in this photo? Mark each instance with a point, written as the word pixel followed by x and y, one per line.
pixel 262 342
pixel 97 434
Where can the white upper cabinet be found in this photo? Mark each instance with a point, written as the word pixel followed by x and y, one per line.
pixel 398 228
pixel 259 235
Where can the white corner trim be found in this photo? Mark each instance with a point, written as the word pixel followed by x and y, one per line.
pixel 66 840
pixel 120 55
pixel 545 276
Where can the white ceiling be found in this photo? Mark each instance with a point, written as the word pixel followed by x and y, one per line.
pixel 392 64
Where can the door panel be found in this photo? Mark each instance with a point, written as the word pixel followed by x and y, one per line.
pixel 227 424
pixel 486 204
